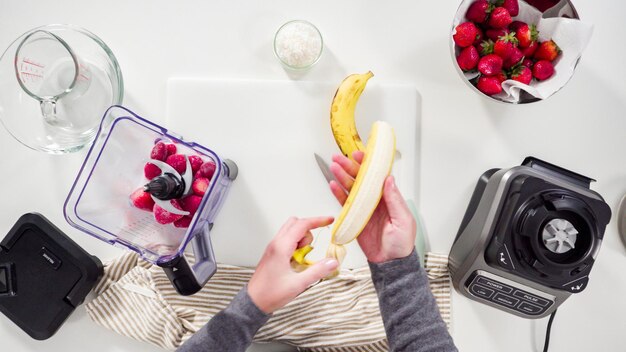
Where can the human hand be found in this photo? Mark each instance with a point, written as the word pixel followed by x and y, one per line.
pixel 274 283
pixel 390 232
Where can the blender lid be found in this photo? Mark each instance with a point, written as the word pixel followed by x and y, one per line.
pixel 65 274
pixel 99 203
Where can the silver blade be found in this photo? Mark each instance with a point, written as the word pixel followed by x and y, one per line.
pixel 328 175
pixel 187 177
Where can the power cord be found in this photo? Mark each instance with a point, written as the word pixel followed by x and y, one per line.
pixel 547 341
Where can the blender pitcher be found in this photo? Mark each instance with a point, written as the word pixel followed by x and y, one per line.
pixel 56 82
pixel 99 201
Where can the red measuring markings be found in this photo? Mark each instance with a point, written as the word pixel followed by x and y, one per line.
pixel 31 70
pixel 30 62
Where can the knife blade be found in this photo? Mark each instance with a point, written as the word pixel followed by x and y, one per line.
pixel 328 175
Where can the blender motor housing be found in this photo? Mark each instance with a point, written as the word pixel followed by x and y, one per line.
pixel 528 239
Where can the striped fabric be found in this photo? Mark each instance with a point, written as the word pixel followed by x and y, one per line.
pixel 136 299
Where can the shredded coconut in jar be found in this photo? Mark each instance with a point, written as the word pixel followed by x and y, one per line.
pixel 298 44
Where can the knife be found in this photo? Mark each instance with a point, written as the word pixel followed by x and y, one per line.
pixel 328 175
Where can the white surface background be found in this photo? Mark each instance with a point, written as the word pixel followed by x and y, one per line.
pixel 581 128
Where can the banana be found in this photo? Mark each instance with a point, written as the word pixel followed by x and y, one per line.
pixel 367 189
pixel 364 195
pixel 342 120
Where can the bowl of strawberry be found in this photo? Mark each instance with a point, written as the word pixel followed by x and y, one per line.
pixel 499 49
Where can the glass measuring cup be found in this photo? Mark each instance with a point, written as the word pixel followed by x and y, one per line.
pixel 47 69
pixel 57 80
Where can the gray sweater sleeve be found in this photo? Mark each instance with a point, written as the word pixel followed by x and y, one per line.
pixel 231 330
pixel 410 313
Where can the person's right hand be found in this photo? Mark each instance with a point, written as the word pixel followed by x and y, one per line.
pixel 390 232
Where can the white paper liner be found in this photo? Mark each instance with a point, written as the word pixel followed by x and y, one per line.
pixel 571 35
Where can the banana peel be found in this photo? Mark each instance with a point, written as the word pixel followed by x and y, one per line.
pixel 342 119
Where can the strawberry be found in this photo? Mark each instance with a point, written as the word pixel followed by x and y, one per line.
pixel 501 77
pixel 530 50
pixel 494 34
pixel 171 149
pixel 178 162
pixel 515 57
pixel 183 222
pixel 489 85
pixel 543 70
pixel 512 6
pixel 515 25
pixel 159 152
pixel 195 162
pixel 207 169
pixel 142 200
pixel 480 36
pixel 542 5
pixel 526 35
pixel 200 185
pixel 163 216
pixel 465 34
pixel 191 204
pixel 522 74
pixel 504 46
pixel 490 65
pixel 486 47
pixel 468 58
pixel 500 18
pixel 478 11
pixel 151 171
pixel 528 63
pixel 547 51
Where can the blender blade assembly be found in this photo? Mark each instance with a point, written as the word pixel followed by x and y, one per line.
pixel 169 185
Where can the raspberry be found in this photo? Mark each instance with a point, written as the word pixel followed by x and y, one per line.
pixel 171 149
pixel 200 185
pixel 159 152
pixel 151 171
pixel 178 162
pixel 207 169
pixel 163 216
pixel 191 203
pixel 142 200
pixel 183 222
pixel 196 163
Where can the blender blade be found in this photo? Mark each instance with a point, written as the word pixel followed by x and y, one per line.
pixel 185 179
pixel 559 236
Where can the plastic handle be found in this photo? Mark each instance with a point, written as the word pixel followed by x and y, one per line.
pixel 188 279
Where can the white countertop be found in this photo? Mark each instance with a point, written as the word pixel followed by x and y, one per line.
pixel 463 134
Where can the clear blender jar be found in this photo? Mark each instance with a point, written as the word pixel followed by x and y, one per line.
pixel 99 204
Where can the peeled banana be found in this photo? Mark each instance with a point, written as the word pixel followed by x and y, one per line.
pixel 342 120
pixel 364 195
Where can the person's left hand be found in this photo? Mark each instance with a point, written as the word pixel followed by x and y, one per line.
pixel 275 283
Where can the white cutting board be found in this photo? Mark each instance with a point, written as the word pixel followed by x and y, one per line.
pixel 271 130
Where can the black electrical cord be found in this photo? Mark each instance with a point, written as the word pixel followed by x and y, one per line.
pixel 547 341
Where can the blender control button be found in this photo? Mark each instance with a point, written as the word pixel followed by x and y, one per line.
pixel 494 284
pixel 529 308
pixel 531 298
pixel 504 258
pixel 504 300
pixel 481 291
pixel 577 286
